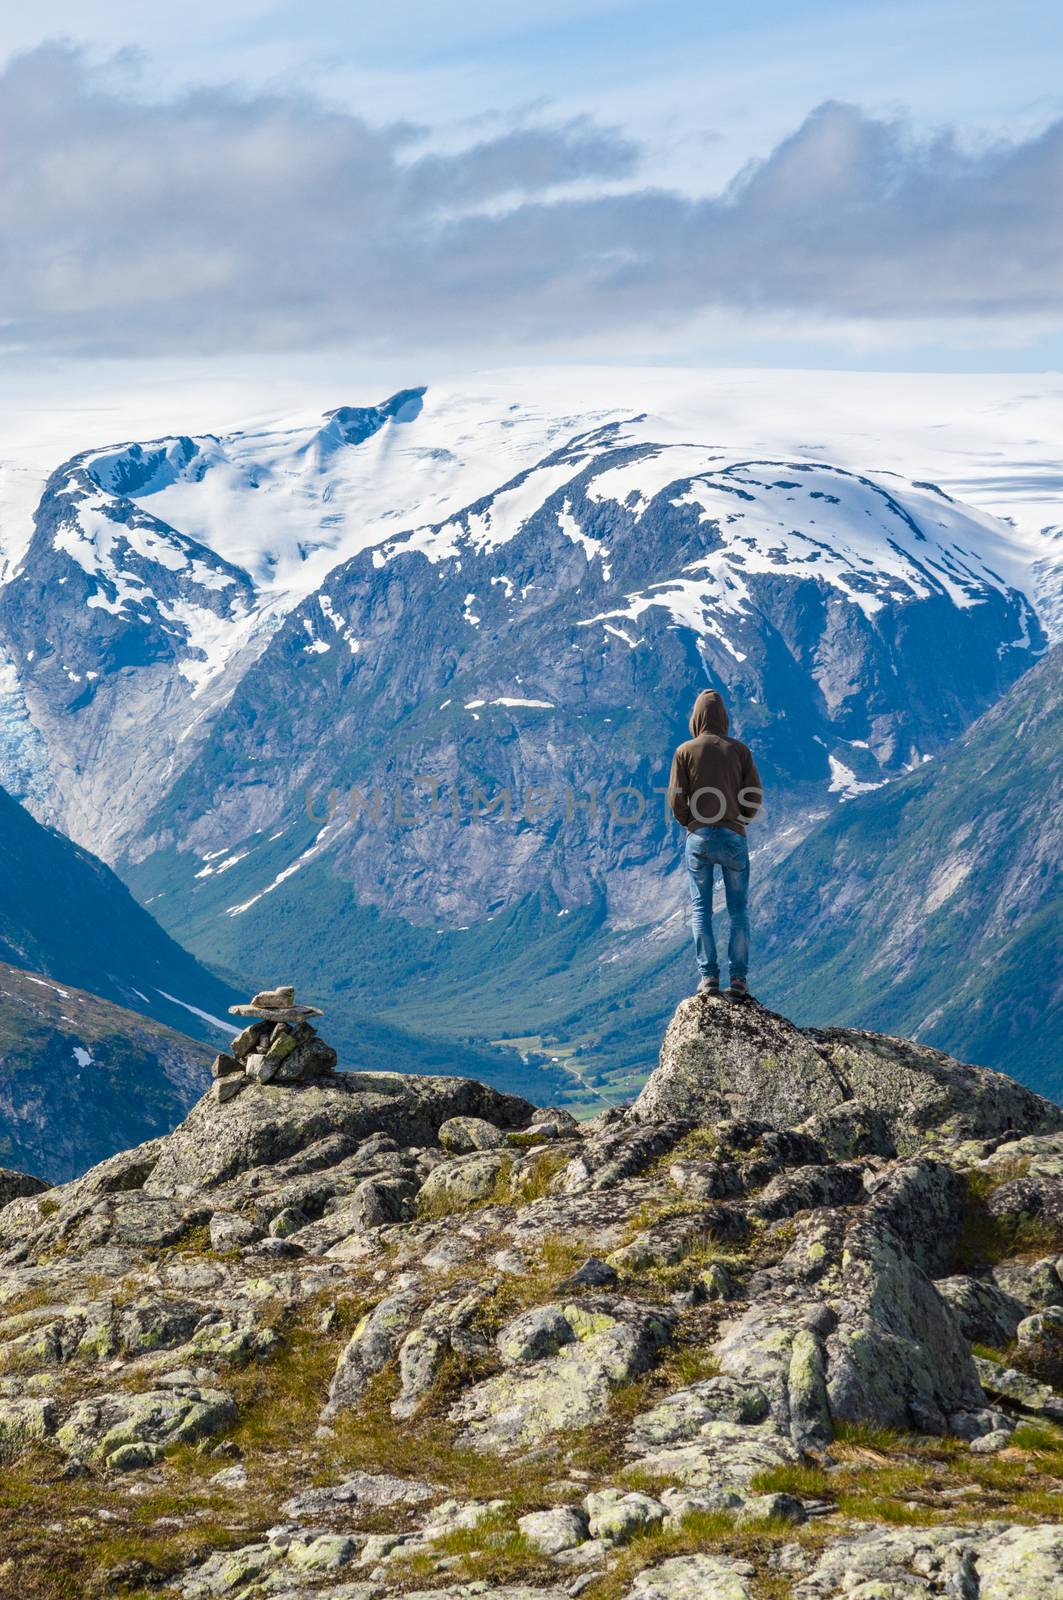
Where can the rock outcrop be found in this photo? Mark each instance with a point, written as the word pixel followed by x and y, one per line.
pixel 721 1060
pixel 792 1323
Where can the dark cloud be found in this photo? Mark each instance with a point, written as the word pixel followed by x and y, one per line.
pixel 220 220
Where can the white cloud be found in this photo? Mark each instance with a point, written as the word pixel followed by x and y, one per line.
pixel 218 220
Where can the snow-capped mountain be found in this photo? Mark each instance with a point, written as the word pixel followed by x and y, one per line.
pixel 156 573
pixel 208 634
pixel 551 632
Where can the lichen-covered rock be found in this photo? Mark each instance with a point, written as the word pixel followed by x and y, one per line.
pixel 278 1565
pixel 1022 1562
pixel 139 1220
pixel 369 1491
pixel 130 1430
pixel 462 1181
pixel 613 1340
pixel 763 1508
pixel 718 1059
pixel 24 1423
pixel 156 1322
pixel 849 1326
pixel 533 1335
pixel 462 1135
pixel 230 1231
pixel 235 1336
pixel 323 1552
pixel 550 1532
pixel 663 1243
pixel 1035 1198
pixel 683 1414
pixel 620 1152
pixel 716 1456
pixel 808 1187
pixel 990 1561
pixel 227 1088
pixel 850 1130
pixel 18 1185
pixel 507 1323
pixel 986 1314
pixel 1018 1388
pixel 699 1577
pixel 290 1061
pixel 617 1517
pixel 1041 1327
pixel 276 1122
pixel 372 1345
pixel 1036 1284
pixel 378 1201
pixel 447 1327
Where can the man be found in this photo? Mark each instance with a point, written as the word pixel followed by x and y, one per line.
pixel 715 791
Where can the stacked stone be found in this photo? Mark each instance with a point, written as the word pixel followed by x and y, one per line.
pixel 280 1046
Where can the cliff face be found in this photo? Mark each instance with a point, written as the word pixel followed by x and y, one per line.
pixel 791 1323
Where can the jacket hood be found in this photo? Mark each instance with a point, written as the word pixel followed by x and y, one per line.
pixel 709 714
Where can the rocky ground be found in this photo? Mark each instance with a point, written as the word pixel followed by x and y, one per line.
pixel 790 1325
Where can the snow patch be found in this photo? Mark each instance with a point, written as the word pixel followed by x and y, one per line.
pixel 215 1022
pixel 591 547
pixel 223 866
pixel 844 781
pixel 41 984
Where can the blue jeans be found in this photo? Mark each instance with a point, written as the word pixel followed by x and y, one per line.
pixel 706 850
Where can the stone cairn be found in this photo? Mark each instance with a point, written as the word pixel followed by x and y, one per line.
pixel 279 1046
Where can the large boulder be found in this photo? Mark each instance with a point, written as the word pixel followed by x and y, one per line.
pixel 849 1327
pixel 270 1123
pixel 720 1060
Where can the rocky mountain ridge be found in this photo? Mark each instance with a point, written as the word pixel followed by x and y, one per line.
pixel 790 1324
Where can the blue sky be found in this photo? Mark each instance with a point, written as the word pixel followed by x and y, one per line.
pixel 820 184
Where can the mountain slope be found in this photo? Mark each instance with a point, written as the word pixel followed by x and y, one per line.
pixel 65 914
pixel 80 1077
pixel 934 906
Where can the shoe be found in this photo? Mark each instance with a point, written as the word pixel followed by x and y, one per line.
pixel 738 990
pixel 709 986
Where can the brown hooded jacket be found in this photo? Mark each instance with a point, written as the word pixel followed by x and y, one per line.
pixel 714 781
